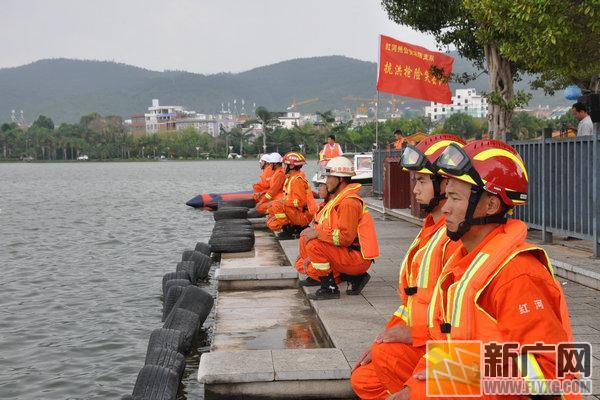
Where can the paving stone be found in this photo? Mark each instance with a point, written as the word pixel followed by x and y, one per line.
pixel 236 366
pixel 310 364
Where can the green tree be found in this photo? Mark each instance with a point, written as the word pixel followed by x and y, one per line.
pixel 461 124
pixel 44 122
pixel 558 39
pixel 453 23
pixel 268 120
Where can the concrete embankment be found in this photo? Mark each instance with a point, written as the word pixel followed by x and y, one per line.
pixel 271 342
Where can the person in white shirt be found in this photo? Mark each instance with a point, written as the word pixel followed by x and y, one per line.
pixel 585 127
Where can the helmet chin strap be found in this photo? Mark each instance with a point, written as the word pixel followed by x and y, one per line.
pixel 438 196
pixel 469 221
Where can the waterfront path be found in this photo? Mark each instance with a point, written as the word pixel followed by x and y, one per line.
pixel 352 322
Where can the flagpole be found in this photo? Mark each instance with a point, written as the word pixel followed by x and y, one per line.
pixel 377 122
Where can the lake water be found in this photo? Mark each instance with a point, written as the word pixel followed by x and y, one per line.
pixel 83 248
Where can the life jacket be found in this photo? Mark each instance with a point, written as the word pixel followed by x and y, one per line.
pixel 366 233
pixel 331 152
pixel 459 316
pixel 279 194
pixel 311 204
pixel 263 181
pixel 419 274
pixel 398 144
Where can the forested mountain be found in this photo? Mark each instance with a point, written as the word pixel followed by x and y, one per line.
pixel 65 89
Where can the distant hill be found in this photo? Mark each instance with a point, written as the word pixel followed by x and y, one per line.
pixel 65 89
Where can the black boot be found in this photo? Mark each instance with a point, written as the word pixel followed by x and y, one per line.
pixel 328 290
pixel 286 233
pixel 356 283
pixel 309 282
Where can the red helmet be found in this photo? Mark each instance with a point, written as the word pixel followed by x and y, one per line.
pixel 490 164
pixel 294 159
pixel 422 157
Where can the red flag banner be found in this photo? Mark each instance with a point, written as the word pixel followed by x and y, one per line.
pixel 405 70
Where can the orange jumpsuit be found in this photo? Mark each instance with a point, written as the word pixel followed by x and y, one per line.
pixel 393 363
pixel 263 183
pixel 523 281
pixel 295 206
pixel 330 252
pixel 302 244
pixel 275 191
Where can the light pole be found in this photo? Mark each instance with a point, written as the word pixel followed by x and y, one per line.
pixel 230 150
pixel 301 145
pixel 197 150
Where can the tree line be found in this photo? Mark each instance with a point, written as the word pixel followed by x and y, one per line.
pixel 106 138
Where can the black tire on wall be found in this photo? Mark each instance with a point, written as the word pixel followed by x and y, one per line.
pixel 186 322
pixel 175 282
pixel 202 264
pixel 185 256
pixel 203 248
pixel 185 266
pixel 174 275
pixel 232 232
pixel 232 244
pixel 156 383
pixel 166 358
pixel 197 301
pixel 173 294
pixel 167 338
pixel 231 213
pixel 252 213
pixel 235 221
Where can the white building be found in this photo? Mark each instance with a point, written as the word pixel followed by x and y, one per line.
pixel 163 118
pixel 465 101
pixel 290 120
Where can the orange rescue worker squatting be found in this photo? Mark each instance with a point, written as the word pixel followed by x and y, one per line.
pixel 344 241
pixel 302 261
pixel 275 191
pixel 294 211
pixel 495 287
pixel 392 357
pixel 260 188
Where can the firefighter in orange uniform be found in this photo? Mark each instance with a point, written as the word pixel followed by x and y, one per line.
pixel 302 260
pixel 344 241
pixel 276 182
pixel 295 210
pixel 261 187
pixel 495 287
pixel 389 359
pixel 399 143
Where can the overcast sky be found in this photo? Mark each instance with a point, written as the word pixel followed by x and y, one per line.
pixel 194 35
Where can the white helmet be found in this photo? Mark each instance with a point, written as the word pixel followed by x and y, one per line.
pixel 340 166
pixel 275 158
pixel 321 178
pixel 264 158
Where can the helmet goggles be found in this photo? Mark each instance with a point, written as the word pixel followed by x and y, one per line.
pixel 413 159
pixel 455 161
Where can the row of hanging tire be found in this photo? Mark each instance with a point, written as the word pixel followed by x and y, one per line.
pixel 185 308
pixel 233 232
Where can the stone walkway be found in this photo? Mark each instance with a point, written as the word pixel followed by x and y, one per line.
pixel 352 322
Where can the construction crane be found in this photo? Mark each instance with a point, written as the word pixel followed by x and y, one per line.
pixel 295 104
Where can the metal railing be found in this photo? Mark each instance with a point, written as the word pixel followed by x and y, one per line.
pixel 564 186
pixel 564 197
